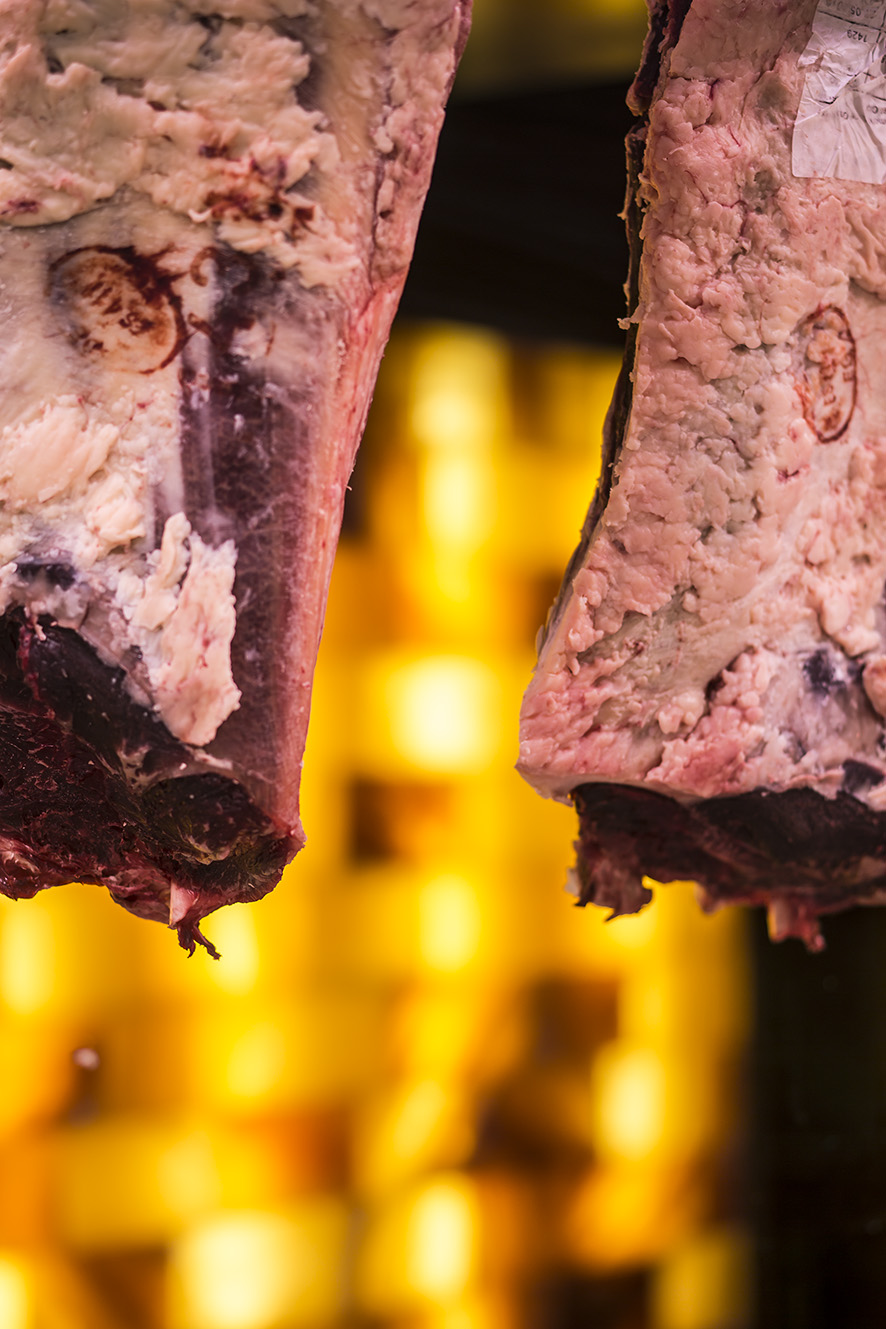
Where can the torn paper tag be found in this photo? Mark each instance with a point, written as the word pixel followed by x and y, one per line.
pixel 840 129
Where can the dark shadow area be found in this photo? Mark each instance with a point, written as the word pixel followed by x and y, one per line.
pixel 818 1134
pixel 521 231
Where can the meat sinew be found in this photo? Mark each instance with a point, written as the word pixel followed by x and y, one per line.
pixel 711 688
pixel 208 208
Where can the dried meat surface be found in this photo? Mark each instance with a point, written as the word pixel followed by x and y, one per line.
pixel 711 686
pixel 207 211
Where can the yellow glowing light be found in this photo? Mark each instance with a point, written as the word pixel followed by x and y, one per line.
pixel 449 923
pixel 256 1270
pixel 615 947
pixel 256 1061
pixel 316 1046
pixel 443 713
pixel 437 1031
pixel 130 1182
pixel 418 1126
pixel 628 1100
pixel 417 1119
pixel 449 584
pixel 444 415
pixel 441 1240
pixel 645 1002
pixel 629 1213
pixel 459 386
pixel 233 933
pixel 421 1251
pixel 459 498
pixel 631 932
pixel 15 1298
pixel 27 957
pixel 187 1174
pixel 617 9
pixel 475 1312
pixel 705 1282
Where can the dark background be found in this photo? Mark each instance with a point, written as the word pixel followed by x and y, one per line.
pixel 521 230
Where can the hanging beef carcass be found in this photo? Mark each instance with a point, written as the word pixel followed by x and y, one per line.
pixel 207 209
pixel 711 688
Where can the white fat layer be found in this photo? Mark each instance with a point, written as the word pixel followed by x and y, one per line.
pixel 90 465
pixel 182 618
pixel 138 129
pixel 205 119
pixel 726 628
pixel 96 96
pixel 54 452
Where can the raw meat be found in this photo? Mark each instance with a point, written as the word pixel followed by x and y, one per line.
pixel 711 684
pixel 207 210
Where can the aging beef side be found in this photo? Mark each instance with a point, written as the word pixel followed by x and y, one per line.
pixel 711 687
pixel 206 216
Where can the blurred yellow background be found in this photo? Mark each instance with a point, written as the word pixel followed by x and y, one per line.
pixel 420 1090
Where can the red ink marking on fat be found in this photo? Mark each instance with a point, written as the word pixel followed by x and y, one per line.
pixel 828 383
pixel 120 301
pixel 198 272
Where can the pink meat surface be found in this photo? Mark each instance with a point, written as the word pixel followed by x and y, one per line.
pixel 711 685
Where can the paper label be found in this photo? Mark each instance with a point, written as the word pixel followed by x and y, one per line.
pixel 840 131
